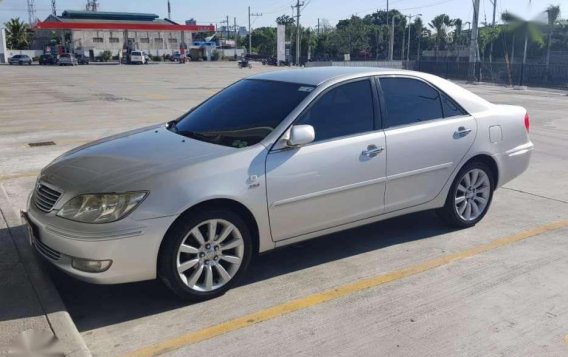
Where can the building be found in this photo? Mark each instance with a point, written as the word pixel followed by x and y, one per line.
pixel 91 32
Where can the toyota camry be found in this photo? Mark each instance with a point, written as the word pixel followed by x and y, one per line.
pixel 273 159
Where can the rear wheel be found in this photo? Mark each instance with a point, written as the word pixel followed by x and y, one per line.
pixel 469 197
pixel 205 255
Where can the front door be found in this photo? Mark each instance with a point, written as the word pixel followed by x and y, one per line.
pixel 427 136
pixel 337 179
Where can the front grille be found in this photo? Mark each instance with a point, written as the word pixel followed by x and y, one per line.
pixel 45 198
pixel 45 250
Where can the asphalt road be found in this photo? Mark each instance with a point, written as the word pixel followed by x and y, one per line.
pixel 406 286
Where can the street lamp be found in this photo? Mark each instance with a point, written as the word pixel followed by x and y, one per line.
pixel 409 19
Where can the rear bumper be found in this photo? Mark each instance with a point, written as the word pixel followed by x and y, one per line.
pixel 513 162
pixel 133 252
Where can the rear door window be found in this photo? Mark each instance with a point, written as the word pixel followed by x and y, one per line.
pixel 410 101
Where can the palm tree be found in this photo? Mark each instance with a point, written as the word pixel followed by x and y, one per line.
pixel 529 28
pixel 553 12
pixel 18 34
pixel 440 23
pixel 457 37
pixel 419 31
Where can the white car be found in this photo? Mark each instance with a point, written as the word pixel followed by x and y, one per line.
pixel 67 59
pixel 137 57
pixel 272 160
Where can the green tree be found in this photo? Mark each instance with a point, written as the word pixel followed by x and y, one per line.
pixel 553 13
pixel 18 34
pixel 264 41
pixel 285 20
pixel 440 24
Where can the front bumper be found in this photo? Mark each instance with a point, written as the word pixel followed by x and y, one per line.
pixel 133 248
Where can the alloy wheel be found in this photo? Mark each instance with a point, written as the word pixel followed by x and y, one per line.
pixel 472 194
pixel 210 255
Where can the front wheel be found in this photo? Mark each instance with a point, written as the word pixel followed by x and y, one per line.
pixel 205 255
pixel 469 197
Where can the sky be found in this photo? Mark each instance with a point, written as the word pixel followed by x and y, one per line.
pixel 215 11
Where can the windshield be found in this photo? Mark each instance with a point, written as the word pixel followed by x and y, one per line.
pixel 242 114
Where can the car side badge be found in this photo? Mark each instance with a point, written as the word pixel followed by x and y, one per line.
pixel 305 89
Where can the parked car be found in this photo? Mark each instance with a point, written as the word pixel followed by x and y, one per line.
pixel 272 160
pixel 82 59
pixel 175 57
pixel 20 59
pixel 67 59
pixel 136 57
pixel 47 58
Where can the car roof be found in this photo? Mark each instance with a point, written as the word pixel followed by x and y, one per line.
pixel 318 75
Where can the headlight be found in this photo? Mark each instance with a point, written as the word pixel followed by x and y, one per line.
pixel 101 208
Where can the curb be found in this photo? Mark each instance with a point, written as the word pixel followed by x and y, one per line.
pixel 56 313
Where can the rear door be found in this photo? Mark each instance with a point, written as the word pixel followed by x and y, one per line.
pixel 427 136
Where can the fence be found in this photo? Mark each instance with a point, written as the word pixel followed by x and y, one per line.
pixel 516 74
pixel 383 64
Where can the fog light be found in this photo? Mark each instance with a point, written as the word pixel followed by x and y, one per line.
pixel 91 266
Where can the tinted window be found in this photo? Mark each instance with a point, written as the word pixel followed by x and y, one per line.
pixel 451 109
pixel 244 113
pixel 344 110
pixel 410 101
pixel 134 53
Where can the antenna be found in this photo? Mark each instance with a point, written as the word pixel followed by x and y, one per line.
pixel 53 8
pixel 169 11
pixel 31 12
pixel 92 5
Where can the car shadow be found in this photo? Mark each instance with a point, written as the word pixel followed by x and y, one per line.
pixel 93 306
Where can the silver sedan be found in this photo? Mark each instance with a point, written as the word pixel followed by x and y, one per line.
pixel 272 160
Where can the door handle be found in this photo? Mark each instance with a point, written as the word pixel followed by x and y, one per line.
pixel 372 151
pixel 461 132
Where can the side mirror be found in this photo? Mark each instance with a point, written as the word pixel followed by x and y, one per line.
pixel 301 135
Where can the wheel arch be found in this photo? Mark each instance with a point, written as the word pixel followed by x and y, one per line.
pixel 220 203
pixel 489 161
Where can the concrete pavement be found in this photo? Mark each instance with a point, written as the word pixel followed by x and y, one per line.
pixel 511 300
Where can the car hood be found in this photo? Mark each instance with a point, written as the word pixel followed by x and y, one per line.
pixel 116 162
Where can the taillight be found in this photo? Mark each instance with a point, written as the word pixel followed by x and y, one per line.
pixel 527 122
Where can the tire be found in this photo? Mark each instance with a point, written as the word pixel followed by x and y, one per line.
pixel 206 259
pixel 478 195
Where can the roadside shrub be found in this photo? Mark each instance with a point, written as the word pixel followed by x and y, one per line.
pixel 106 56
pixel 35 59
pixel 215 56
pixel 157 58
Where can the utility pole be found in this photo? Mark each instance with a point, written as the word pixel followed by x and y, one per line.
pixel 318 26
pixel 236 36
pixel 297 6
pixel 227 23
pixel 473 46
pixel 391 45
pixel 169 11
pixel 409 19
pixel 494 2
pixel 53 8
pixel 250 30
pixel 403 39
pixel 390 56
pixel 31 12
